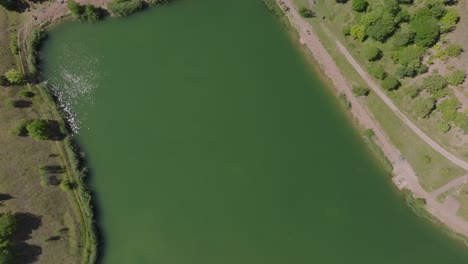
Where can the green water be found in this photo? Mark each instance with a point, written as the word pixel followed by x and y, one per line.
pixel 211 142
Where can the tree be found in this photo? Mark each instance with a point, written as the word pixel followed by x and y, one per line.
pixel 358 32
pixel 7 226
pixel 124 7
pixel 403 37
pixel 75 8
pixel 306 12
pixel 359 5
pixel 38 129
pixel 14 76
pixel 377 71
pixel 434 83
pixel 456 77
pixel 390 83
pixel 423 107
pixel 382 28
pixel 449 109
pixel 392 6
pixel 9 4
pixel 426 30
pixel 360 91
pixel 372 53
pixel 409 54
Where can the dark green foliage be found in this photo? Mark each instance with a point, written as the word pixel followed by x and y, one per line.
pixel 423 107
pixel 368 133
pixel 372 53
pixel 361 91
pixel 377 71
pixel 405 71
pixel 34 43
pixel 409 55
pixel 38 129
pixel 412 91
pixel 359 5
pixel 346 30
pixel 390 83
pixel 436 9
pixel 85 12
pixel 7 229
pixel 403 37
pixel 124 7
pixel 456 77
pixel 392 6
pixel 68 185
pixel 9 4
pixel 426 30
pixel 382 28
pixel 306 12
pixel 26 94
pixel 434 83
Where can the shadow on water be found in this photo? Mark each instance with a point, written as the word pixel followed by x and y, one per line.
pixel 26 224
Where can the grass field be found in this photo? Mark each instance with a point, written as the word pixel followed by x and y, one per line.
pixel 432 174
pixel 49 224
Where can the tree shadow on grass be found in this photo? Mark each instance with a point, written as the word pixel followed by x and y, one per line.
pixel 21 104
pixel 5 197
pixel 55 131
pixel 26 253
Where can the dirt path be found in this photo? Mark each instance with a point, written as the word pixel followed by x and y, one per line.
pixel 405 176
pixel 454 183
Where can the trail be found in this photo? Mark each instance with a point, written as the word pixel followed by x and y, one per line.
pixel 452 184
pixel 404 175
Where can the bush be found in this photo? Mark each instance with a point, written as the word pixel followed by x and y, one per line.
pixel 85 13
pixel 359 5
pixel 403 38
pixel 377 71
pixel 346 30
pixel 444 127
pixel 20 128
pixel 392 6
pixel 405 71
pixel 358 32
pixel 434 83
pixel 449 20
pixel 38 129
pixel 409 55
pixel 344 101
pixel 390 83
pixel 449 109
pixel 368 133
pixel 423 107
pixel 372 53
pixel 68 185
pixel 26 94
pixel 34 44
pixel 14 76
pixel 361 91
pixel 456 77
pixel 454 50
pixel 7 229
pixel 412 91
pixel 306 12
pixel 124 7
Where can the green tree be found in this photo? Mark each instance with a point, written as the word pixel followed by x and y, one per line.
pixel 306 12
pixel 403 37
pixel 372 53
pixel 358 32
pixel 426 30
pixel 75 9
pixel 14 76
pixel 361 91
pixel 449 109
pixel 390 83
pixel 392 6
pixel 38 129
pixel 382 28
pixel 434 82
pixel 377 71
pixel 423 107
pixel 359 5
pixel 456 78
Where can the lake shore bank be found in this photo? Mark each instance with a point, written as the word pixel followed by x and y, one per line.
pixel 404 175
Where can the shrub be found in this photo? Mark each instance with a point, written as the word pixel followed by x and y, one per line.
pixel 444 127
pixel 34 44
pixel 449 20
pixel 456 77
pixel 361 91
pixel 454 50
pixel 26 94
pixel 423 107
pixel 124 7
pixel 344 101
pixel 306 12
pixel 14 76
pixel 390 83
pixel 7 229
pixel 372 53
pixel 409 54
pixel 403 38
pixel 405 71
pixel 359 5
pixel 449 109
pixel 358 32
pixel 84 13
pixel 368 133
pixel 9 4
pixel 377 71
pixel 392 6
pixel 346 30
pixel 412 91
pixel 434 83
pixel 38 129
pixel 20 128
pixel 68 185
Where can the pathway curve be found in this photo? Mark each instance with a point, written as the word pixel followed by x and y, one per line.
pixel 405 177
pixel 452 184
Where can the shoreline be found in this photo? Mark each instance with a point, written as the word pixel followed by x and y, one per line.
pixel 403 175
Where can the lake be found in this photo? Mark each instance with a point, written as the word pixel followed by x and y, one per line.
pixel 211 140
